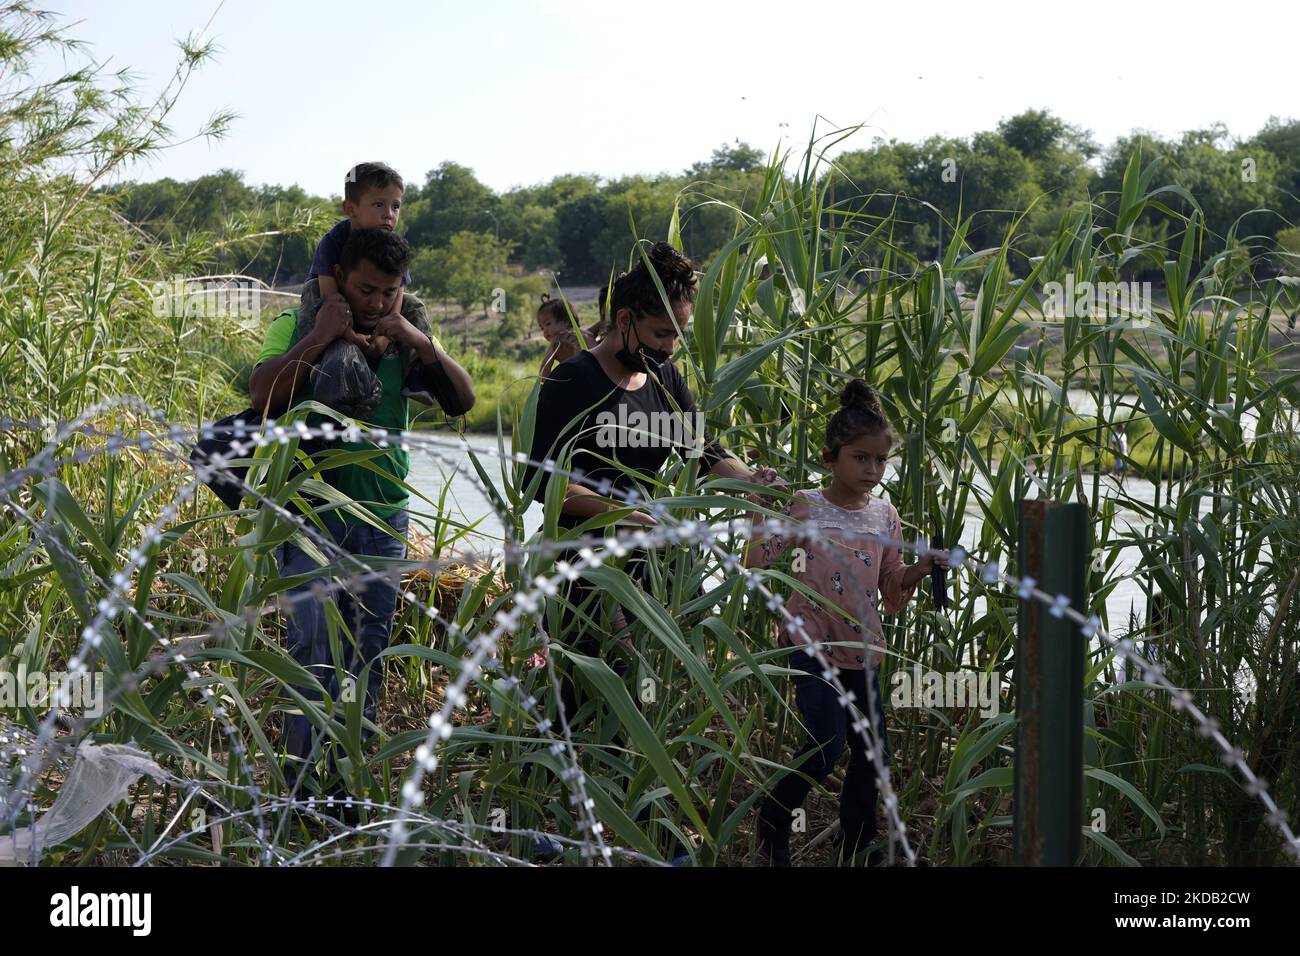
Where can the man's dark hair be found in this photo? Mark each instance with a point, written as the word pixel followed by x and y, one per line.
pixel 364 176
pixel 390 253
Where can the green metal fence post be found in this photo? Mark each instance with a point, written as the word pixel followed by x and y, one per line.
pixel 1049 671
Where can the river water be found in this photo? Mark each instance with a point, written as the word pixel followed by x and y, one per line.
pixel 467 503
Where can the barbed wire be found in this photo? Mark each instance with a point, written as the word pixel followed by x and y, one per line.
pixel 531 600
pixel 202 472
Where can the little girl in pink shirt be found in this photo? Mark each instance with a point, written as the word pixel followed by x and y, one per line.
pixel 832 558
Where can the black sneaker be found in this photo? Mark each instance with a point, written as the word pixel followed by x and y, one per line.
pixel 773 843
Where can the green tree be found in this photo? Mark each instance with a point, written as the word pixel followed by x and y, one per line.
pixel 737 157
pixel 218 223
pixel 528 217
pixel 451 200
pixel 576 223
pixel 429 273
pixel 473 265
pixel 1034 133
pixel 867 184
pixel 1229 180
pixel 1281 138
pixel 1059 154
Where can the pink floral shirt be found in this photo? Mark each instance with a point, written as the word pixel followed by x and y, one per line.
pixel 848 573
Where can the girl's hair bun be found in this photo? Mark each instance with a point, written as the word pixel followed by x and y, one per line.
pixel 859 393
pixel 860 414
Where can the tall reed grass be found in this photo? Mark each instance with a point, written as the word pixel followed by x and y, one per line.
pixel 807 295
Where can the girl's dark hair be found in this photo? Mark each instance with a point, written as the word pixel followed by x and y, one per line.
pixel 556 308
pixel 559 308
pixel 860 414
pixel 636 290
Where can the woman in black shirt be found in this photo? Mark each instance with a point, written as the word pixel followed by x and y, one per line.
pixel 582 409
pixel 624 400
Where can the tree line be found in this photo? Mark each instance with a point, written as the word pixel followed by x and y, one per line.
pixel 1032 168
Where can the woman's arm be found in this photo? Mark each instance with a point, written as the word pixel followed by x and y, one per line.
pixel 581 502
pixel 732 467
pixel 563 400
pixel 721 463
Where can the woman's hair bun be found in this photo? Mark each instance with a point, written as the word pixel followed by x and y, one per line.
pixel 859 393
pixel 638 289
pixel 671 264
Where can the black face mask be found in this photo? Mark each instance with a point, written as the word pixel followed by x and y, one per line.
pixel 644 359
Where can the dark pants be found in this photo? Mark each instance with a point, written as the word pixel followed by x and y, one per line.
pixel 589 637
pixel 592 639
pixel 368 611
pixel 829 725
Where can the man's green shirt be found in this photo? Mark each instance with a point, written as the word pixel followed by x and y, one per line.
pixel 381 496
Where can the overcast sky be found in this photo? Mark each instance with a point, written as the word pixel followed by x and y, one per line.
pixel 523 91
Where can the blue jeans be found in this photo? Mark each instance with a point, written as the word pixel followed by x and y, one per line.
pixel 829 729
pixel 367 609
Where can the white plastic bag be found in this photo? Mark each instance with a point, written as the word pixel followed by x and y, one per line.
pixel 101 775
